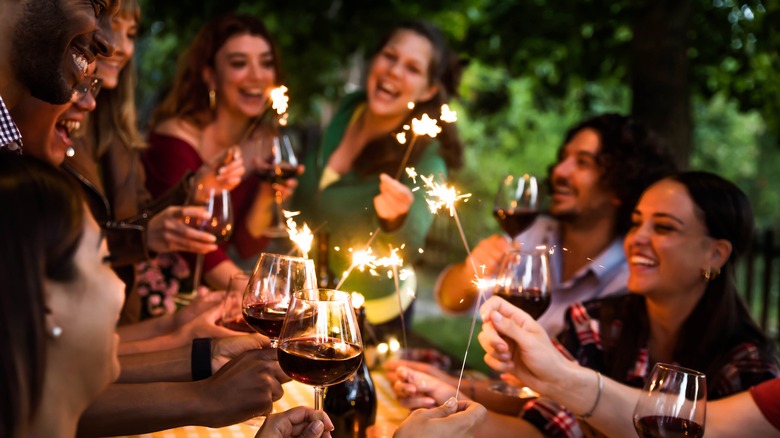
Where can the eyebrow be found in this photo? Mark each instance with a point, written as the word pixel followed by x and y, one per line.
pixel 267 53
pixel 663 216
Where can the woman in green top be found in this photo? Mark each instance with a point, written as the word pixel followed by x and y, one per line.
pixel 348 184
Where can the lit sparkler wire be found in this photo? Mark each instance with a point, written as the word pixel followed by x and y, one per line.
pixel 393 254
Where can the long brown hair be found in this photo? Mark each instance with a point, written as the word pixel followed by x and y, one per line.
pixel 40 232
pixel 384 154
pixel 189 95
pixel 116 117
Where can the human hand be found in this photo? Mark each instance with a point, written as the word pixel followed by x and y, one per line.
pixel 224 171
pixel 453 419
pixel 245 387
pixel 204 300
pixel 204 325
pixel 286 188
pixel 224 350
pixel 166 232
pixel 416 389
pixel 516 345
pixel 299 422
pixel 394 198
pixel 487 255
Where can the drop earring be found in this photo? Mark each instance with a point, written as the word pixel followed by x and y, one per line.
pixel 212 99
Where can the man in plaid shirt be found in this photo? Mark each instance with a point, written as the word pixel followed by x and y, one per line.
pixel 52 43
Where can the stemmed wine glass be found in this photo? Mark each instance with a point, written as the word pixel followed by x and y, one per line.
pixel 283 165
pixel 524 280
pixel 516 205
pixel 267 294
pixel 320 344
pixel 219 223
pixel 673 403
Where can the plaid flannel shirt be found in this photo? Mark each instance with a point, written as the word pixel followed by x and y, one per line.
pixel 10 137
pixel 581 341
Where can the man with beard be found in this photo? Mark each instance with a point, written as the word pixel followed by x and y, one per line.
pixel 603 166
pixel 45 48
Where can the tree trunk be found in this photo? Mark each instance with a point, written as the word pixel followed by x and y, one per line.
pixel 660 72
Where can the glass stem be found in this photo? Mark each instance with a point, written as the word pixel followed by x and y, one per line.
pixel 319 393
pixel 197 274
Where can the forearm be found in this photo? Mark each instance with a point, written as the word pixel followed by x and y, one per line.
pixel 491 399
pixel 259 216
pixel 145 329
pixel 455 291
pixel 163 342
pixel 737 415
pixel 132 409
pixel 498 426
pixel 167 366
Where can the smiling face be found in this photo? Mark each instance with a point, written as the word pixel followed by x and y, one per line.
pixel 55 40
pixel 577 191
pixel 243 75
pixel 668 245
pixel 399 75
pixel 125 29
pixel 87 310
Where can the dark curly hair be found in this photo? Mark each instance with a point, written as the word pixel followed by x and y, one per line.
pixel 384 154
pixel 631 157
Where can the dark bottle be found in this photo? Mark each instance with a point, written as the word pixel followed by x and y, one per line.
pixel 325 277
pixel 351 404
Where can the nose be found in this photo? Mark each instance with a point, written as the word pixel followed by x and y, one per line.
pixel 637 235
pixel 104 38
pixel 562 168
pixel 87 102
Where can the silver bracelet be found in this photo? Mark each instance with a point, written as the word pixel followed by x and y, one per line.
pixel 598 399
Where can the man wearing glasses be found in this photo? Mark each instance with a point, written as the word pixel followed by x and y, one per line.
pixel 51 44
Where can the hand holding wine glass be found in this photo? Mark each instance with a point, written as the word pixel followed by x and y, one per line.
pixel 232 315
pixel 218 221
pixel 282 166
pixel 672 404
pixel 516 206
pixel 267 295
pixel 320 343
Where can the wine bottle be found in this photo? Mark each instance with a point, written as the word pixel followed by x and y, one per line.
pixel 351 404
pixel 325 277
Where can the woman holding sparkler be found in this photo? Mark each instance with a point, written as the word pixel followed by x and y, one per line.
pixel 349 188
pixel 219 93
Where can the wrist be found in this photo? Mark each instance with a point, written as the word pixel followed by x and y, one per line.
pixel 200 359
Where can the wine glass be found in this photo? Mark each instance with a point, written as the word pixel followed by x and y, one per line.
pixel 219 223
pixel 232 315
pixel 673 403
pixel 320 344
pixel 516 205
pixel 267 295
pixel 282 165
pixel 524 280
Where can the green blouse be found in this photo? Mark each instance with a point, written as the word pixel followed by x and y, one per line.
pixel 346 209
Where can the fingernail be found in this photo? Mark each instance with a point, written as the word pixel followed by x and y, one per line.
pixel 496 317
pixel 451 402
pixel 317 427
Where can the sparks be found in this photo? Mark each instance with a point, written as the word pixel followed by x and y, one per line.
pixel 301 237
pixel 401 137
pixel 279 99
pixel 447 115
pixel 425 126
pixel 411 172
pixel 441 195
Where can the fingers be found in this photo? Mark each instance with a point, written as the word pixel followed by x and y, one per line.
pixel 395 189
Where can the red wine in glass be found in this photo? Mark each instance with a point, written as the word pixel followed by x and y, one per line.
pixel 219 226
pixel 319 362
pixel 532 300
pixel 658 426
pixel 237 324
pixel 266 318
pixel 515 220
pixel 278 173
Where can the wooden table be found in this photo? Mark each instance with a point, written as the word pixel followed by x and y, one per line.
pixel 295 394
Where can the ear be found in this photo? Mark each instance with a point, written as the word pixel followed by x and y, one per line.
pixel 50 290
pixel 209 76
pixel 719 253
pixel 429 93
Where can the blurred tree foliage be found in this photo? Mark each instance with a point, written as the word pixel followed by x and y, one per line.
pixel 536 67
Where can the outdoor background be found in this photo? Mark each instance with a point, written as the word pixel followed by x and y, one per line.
pixel 704 73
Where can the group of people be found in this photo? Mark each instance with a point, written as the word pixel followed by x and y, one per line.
pixel 643 267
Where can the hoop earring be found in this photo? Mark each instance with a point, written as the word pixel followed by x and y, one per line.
pixel 212 99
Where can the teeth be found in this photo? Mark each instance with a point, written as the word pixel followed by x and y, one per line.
pixel 70 125
pixel 640 260
pixel 81 61
pixel 256 93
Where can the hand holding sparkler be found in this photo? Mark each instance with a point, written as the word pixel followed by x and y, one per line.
pixel 393 202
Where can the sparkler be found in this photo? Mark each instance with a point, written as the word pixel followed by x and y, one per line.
pixel 301 237
pixel 279 102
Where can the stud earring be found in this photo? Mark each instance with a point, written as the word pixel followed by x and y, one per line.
pixel 70 151
pixel 56 331
pixel 212 99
